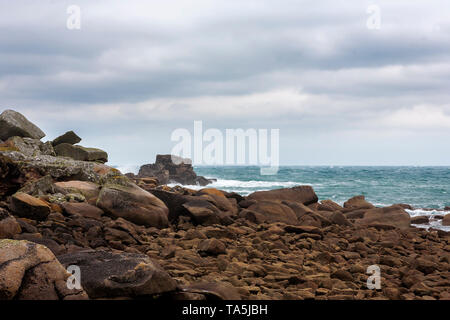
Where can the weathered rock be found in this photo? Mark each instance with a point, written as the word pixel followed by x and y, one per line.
pixel 214 291
pixel 30 271
pixel 117 275
pixel 212 247
pixel 338 218
pixel 133 204
pixel 170 168
pixel 446 220
pixel 342 275
pixel 27 146
pixel 81 153
pixel 88 189
pixel 329 205
pixel 357 202
pixel 26 206
pixel 302 194
pixel 69 137
pixel 9 227
pixel 420 220
pixel 82 209
pixel 394 216
pixel 274 212
pixel 13 123
pixel 203 212
pixel 39 187
pixel 303 229
pixel 18 168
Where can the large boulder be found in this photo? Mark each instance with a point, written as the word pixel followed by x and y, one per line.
pixel 26 206
pixel 117 275
pixel 81 153
pixel 13 123
pixel 69 137
pixel 302 194
pixel 274 212
pixel 394 216
pixel 133 204
pixel 30 271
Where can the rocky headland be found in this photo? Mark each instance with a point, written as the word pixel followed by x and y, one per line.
pixel 135 237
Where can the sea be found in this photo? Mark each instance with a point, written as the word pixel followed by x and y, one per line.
pixel 427 189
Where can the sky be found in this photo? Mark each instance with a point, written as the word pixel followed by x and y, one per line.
pixel 340 91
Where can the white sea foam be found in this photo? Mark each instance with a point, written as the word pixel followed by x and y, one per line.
pixel 128 168
pixel 244 187
pixel 433 222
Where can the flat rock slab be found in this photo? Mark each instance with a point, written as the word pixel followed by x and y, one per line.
pixel 26 206
pixel 81 153
pixel 13 123
pixel 302 194
pixel 82 209
pixel 110 275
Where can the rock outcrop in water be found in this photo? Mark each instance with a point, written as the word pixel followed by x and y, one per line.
pixel 208 244
pixel 172 169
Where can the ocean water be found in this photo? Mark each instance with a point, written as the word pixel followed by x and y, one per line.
pixel 420 187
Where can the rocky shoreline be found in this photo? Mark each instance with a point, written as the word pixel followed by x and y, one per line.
pixel 135 237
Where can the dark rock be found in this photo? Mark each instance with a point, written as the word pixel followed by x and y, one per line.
pixel 117 275
pixel 13 123
pixel 69 137
pixel 420 220
pixel 39 187
pixel 81 153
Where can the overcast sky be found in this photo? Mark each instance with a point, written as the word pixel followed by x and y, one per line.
pixel 340 93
